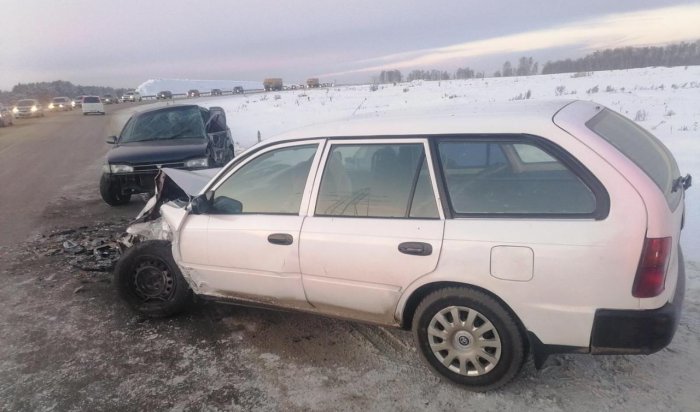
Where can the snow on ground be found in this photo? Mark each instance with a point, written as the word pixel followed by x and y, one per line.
pixel 153 86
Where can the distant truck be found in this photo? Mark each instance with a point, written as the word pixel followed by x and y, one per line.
pixel 272 84
pixel 312 83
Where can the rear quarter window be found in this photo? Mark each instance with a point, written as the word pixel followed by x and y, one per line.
pixel 642 148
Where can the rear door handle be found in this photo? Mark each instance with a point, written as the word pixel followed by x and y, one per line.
pixel 416 248
pixel 280 239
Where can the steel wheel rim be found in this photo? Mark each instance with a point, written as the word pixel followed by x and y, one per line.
pixel 464 341
pixel 153 280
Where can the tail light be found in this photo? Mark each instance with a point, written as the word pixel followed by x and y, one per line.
pixel 651 273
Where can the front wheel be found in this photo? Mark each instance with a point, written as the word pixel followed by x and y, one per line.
pixel 148 278
pixel 469 338
pixel 111 192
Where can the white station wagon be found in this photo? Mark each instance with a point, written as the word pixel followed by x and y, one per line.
pixel 547 227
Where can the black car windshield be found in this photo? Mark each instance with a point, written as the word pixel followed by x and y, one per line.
pixel 174 123
pixel 26 103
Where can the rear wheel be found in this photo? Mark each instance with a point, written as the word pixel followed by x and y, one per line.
pixel 149 280
pixel 111 192
pixel 469 338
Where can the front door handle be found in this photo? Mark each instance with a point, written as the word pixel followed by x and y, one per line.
pixel 280 239
pixel 416 248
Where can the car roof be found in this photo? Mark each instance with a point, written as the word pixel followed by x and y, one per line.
pixel 531 117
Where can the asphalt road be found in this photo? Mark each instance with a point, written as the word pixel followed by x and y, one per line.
pixel 42 159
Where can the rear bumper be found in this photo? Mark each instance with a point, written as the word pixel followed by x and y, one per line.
pixel 639 331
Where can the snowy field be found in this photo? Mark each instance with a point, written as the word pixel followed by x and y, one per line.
pixel 665 101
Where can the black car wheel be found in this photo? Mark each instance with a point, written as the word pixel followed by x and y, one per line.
pixel 148 278
pixel 111 193
pixel 469 338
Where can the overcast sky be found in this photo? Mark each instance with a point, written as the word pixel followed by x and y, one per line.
pixel 125 42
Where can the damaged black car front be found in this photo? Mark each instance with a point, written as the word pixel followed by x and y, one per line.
pixel 186 137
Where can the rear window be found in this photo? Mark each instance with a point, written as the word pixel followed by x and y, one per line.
pixel 91 99
pixel 641 147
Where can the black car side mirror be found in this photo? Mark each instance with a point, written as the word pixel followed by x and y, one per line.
pixel 111 140
pixel 200 205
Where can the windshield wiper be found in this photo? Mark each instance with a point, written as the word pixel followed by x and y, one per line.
pixel 175 136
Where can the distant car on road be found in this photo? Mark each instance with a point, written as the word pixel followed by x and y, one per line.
pixel 165 94
pixel 77 102
pixel 93 105
pixel 109 99
pixel 6 118
pixel 60 104
pixel 181 137
pixel 216 92
pixel 28 108
pixel 131 97
pixel 193 93
pixel 238 90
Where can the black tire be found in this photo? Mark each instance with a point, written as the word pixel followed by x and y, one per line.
pixel 148 279
pixel 504 364
pixel 111 194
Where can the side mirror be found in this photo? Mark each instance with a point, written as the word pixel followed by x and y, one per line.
pixel 227 206
pixel 111 140
pixel 200 205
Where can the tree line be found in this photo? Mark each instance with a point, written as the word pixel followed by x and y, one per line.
pixel 44 91
pixel 680 54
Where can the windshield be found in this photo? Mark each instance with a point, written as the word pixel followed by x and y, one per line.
pixel 59 100
pixel 26 103
pixel 173 123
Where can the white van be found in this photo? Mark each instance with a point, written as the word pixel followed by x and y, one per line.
pixel 93 104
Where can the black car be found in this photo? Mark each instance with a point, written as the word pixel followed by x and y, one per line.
pixel 193 93
pixel 179 137
pixel 165 94
pixel 238 90
pixel 216 92
pixel 109 99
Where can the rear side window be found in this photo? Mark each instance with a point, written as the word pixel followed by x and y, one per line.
pixel 511 178
pixel 641 147
pixel 377 180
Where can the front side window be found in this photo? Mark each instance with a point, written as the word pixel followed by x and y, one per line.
pixel 376 180
pixel 511 178
pixel 273 182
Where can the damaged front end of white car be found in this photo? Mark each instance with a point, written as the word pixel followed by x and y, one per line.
pixel 166 209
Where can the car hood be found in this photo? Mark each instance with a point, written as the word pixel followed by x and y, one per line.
pixel 157 151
